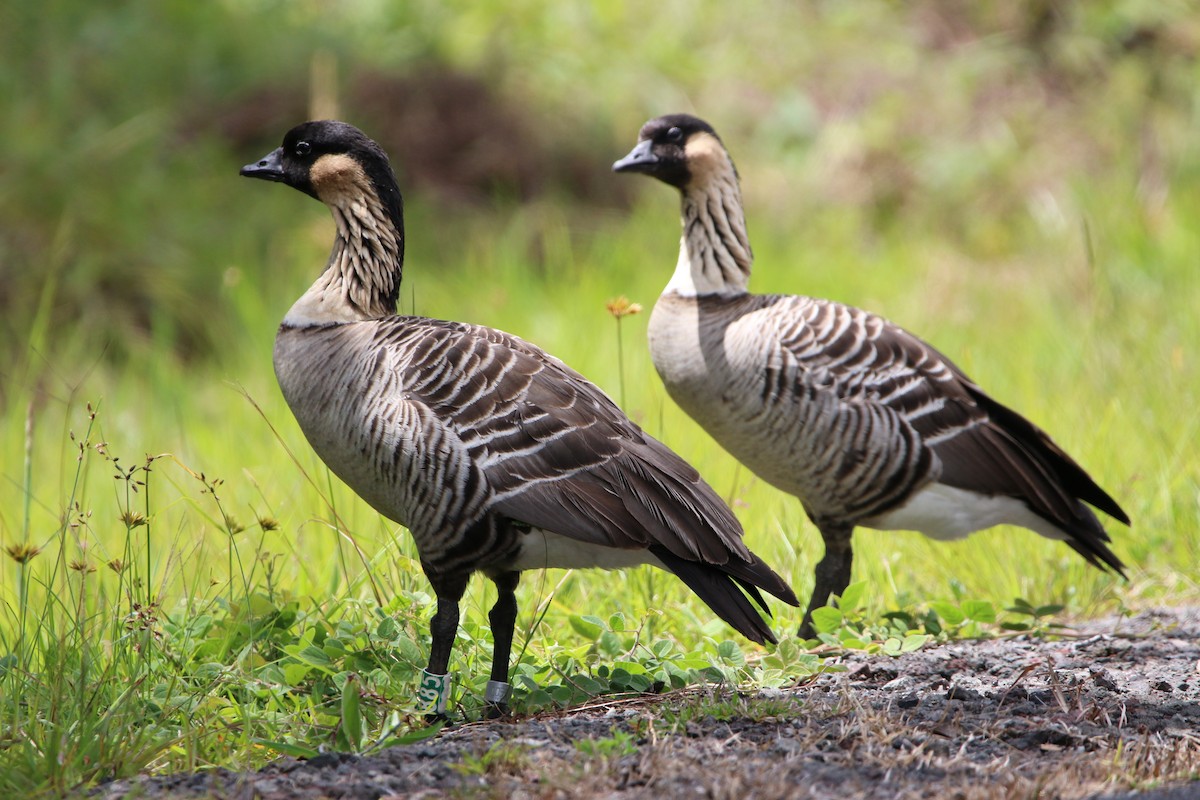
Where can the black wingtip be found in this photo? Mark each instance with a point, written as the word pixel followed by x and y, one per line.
pixel 754 575
pixel 1037 445
pixel 1098 554
pixel 1116 512
pixel 717 585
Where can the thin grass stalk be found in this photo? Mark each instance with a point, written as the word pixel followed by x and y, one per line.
pixel 28 476
pixel 339 526
pixel 620 365
pixel 146 505
pixel 621 308
pixel 22 578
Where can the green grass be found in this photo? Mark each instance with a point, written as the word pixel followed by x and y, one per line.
pixel 185 584
pixel 238 589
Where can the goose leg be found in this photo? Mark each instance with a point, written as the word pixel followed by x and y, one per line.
pixel 503 619
pixel 832 573
pixel 435 683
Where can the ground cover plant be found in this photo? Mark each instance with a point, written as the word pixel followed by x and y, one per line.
pixel 183 585
pixel 1109 713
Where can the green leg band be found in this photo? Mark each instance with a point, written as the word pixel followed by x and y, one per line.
pixel 434 692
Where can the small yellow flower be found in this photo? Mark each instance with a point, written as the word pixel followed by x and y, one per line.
pixel 622 307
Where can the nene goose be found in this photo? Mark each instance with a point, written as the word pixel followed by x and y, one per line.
pixel 864 422
pixel 495 455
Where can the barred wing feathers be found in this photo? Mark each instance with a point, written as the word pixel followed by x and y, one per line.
pixel 556 453
pixel 919 399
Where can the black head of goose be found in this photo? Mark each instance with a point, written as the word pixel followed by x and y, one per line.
pixel 495 455
pixel 864 422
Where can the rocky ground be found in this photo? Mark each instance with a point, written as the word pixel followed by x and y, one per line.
pixel 1111 711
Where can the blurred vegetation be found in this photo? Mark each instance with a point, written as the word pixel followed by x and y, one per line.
pixel 1019 182
pixel 973 122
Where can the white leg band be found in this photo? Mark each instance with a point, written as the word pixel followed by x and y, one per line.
pixel 497 692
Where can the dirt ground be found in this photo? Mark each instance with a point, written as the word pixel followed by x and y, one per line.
pixel 1111 711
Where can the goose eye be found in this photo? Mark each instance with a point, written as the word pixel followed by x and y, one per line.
pixel 303 148
pixel 675 135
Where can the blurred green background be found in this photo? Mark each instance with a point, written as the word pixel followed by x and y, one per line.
pixel 990 132
pixel 1017 182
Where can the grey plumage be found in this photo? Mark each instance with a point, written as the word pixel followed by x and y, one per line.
pixel 864 422
pixel 495 455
